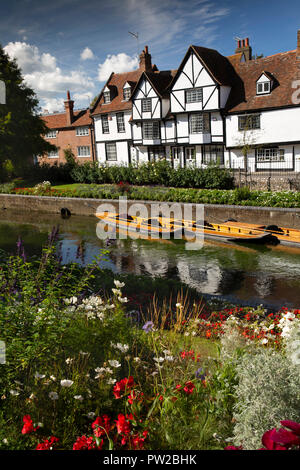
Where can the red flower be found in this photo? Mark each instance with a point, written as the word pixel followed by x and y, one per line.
pixel 123 426
pixel 123 385
pixel 295 427
pixel 189 388
pixel 100 425
pixel 47 444
pixel 28 425
pixel 86 443
pixel 269 443
pixel 233 448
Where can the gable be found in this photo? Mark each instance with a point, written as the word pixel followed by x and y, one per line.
pixel 193 74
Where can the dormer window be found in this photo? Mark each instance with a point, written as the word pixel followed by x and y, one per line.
pixel 106 96
pixel 263 87
pixel 126 93
pixel 264 84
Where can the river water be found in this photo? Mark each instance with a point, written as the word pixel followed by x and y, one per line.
pixel 246 275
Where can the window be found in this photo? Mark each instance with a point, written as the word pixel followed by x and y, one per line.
pixel 146 105
pixel 106 96
pixel 190 156
pixel 151 130
pixel 126 93
pixel 105 125
pixel 157 153
pixel 83 151
pixel 250 121
pixel 199 123
pixel 51 135
pixel 120 122
pixel 82 131
pixel 263 87
pixel 111 151
pixel 213 154
pixel 269 155
pixel 194 96
pixel 53 154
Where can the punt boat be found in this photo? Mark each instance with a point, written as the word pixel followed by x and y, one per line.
pixel 160 227
pixel 286 236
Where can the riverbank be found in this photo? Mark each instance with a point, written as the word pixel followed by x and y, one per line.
pixel 215 212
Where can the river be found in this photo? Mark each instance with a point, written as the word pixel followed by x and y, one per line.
pixel 241 274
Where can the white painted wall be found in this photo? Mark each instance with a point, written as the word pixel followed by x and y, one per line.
pixel 122 153
pixel 277 126
pixel 146 91
pixel 113 130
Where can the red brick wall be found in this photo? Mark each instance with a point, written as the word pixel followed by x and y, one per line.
pixel 67 138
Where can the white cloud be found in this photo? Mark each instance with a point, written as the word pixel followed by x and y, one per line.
pixel 40 72
pixel 162 23
pixel 86 54
pixel 119 63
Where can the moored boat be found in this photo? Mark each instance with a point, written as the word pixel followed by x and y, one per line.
pixel 161 227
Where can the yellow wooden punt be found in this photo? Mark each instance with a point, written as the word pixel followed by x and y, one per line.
pixel 156 227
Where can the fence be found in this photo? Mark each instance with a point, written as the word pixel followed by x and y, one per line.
pixel 266 176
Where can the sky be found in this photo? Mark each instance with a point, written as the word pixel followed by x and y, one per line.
pixel 74 45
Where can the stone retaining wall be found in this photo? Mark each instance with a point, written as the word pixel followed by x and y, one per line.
pixel 213 212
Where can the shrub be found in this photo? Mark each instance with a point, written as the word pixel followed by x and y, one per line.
pixel 268 391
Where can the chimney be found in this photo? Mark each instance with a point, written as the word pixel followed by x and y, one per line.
pixel 69 104
pixel 298 44
pixel 145 61
pixel 243 46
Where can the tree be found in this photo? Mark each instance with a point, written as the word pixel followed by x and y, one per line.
pixel 21 129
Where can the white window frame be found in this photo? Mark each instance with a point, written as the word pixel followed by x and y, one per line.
pixel 146 105
pixel 51 134
pixel 106 97
pixel 120 122
pixel 194 95
pixel 83 151
pixel 108 147
pixel 249 118
pixel 127 93
pixel 82 130
pixel 199 123
pixel 51 154
pixel 269 154
pixel 265 89
pixel 151 130
pixel 105 124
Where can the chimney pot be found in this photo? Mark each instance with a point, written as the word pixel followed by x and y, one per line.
pixel 68 96
pixel 145 61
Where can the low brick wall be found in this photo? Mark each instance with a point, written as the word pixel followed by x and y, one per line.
pixel 213 212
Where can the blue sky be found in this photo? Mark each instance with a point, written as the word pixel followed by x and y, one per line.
pixel 73 45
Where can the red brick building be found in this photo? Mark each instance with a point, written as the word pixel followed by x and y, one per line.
pixel 70 130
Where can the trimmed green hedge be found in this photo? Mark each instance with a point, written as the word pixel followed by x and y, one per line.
pixel 158 173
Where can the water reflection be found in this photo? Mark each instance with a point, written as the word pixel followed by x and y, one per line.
pixel 243 274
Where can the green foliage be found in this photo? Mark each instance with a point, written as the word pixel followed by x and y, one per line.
pixel 19 121
pixel 268 391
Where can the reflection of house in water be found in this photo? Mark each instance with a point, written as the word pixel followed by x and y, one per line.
pixel 264 285
pixel 205 278
pixel 142 261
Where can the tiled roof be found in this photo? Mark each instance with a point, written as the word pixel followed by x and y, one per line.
pixel 283 68
pixel 219 66
pixel 117 81
pixel 59 121
pixel 160 80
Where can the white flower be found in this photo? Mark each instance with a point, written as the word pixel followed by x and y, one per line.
pixel 78 397
pixel 118 283
pixel 91 415
pixel 52 378
pixel 115 364
pixel 264 341
pixel 159 359
pixel 14 392
pixel 111 381
pixel 39 376
pixel 83 353
pixel 66 383
pixel 5 441
pixel 69 360
pixel 137 359
pixel 53 396
pixel 72 300
pixel 122 299
pixel 178 305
